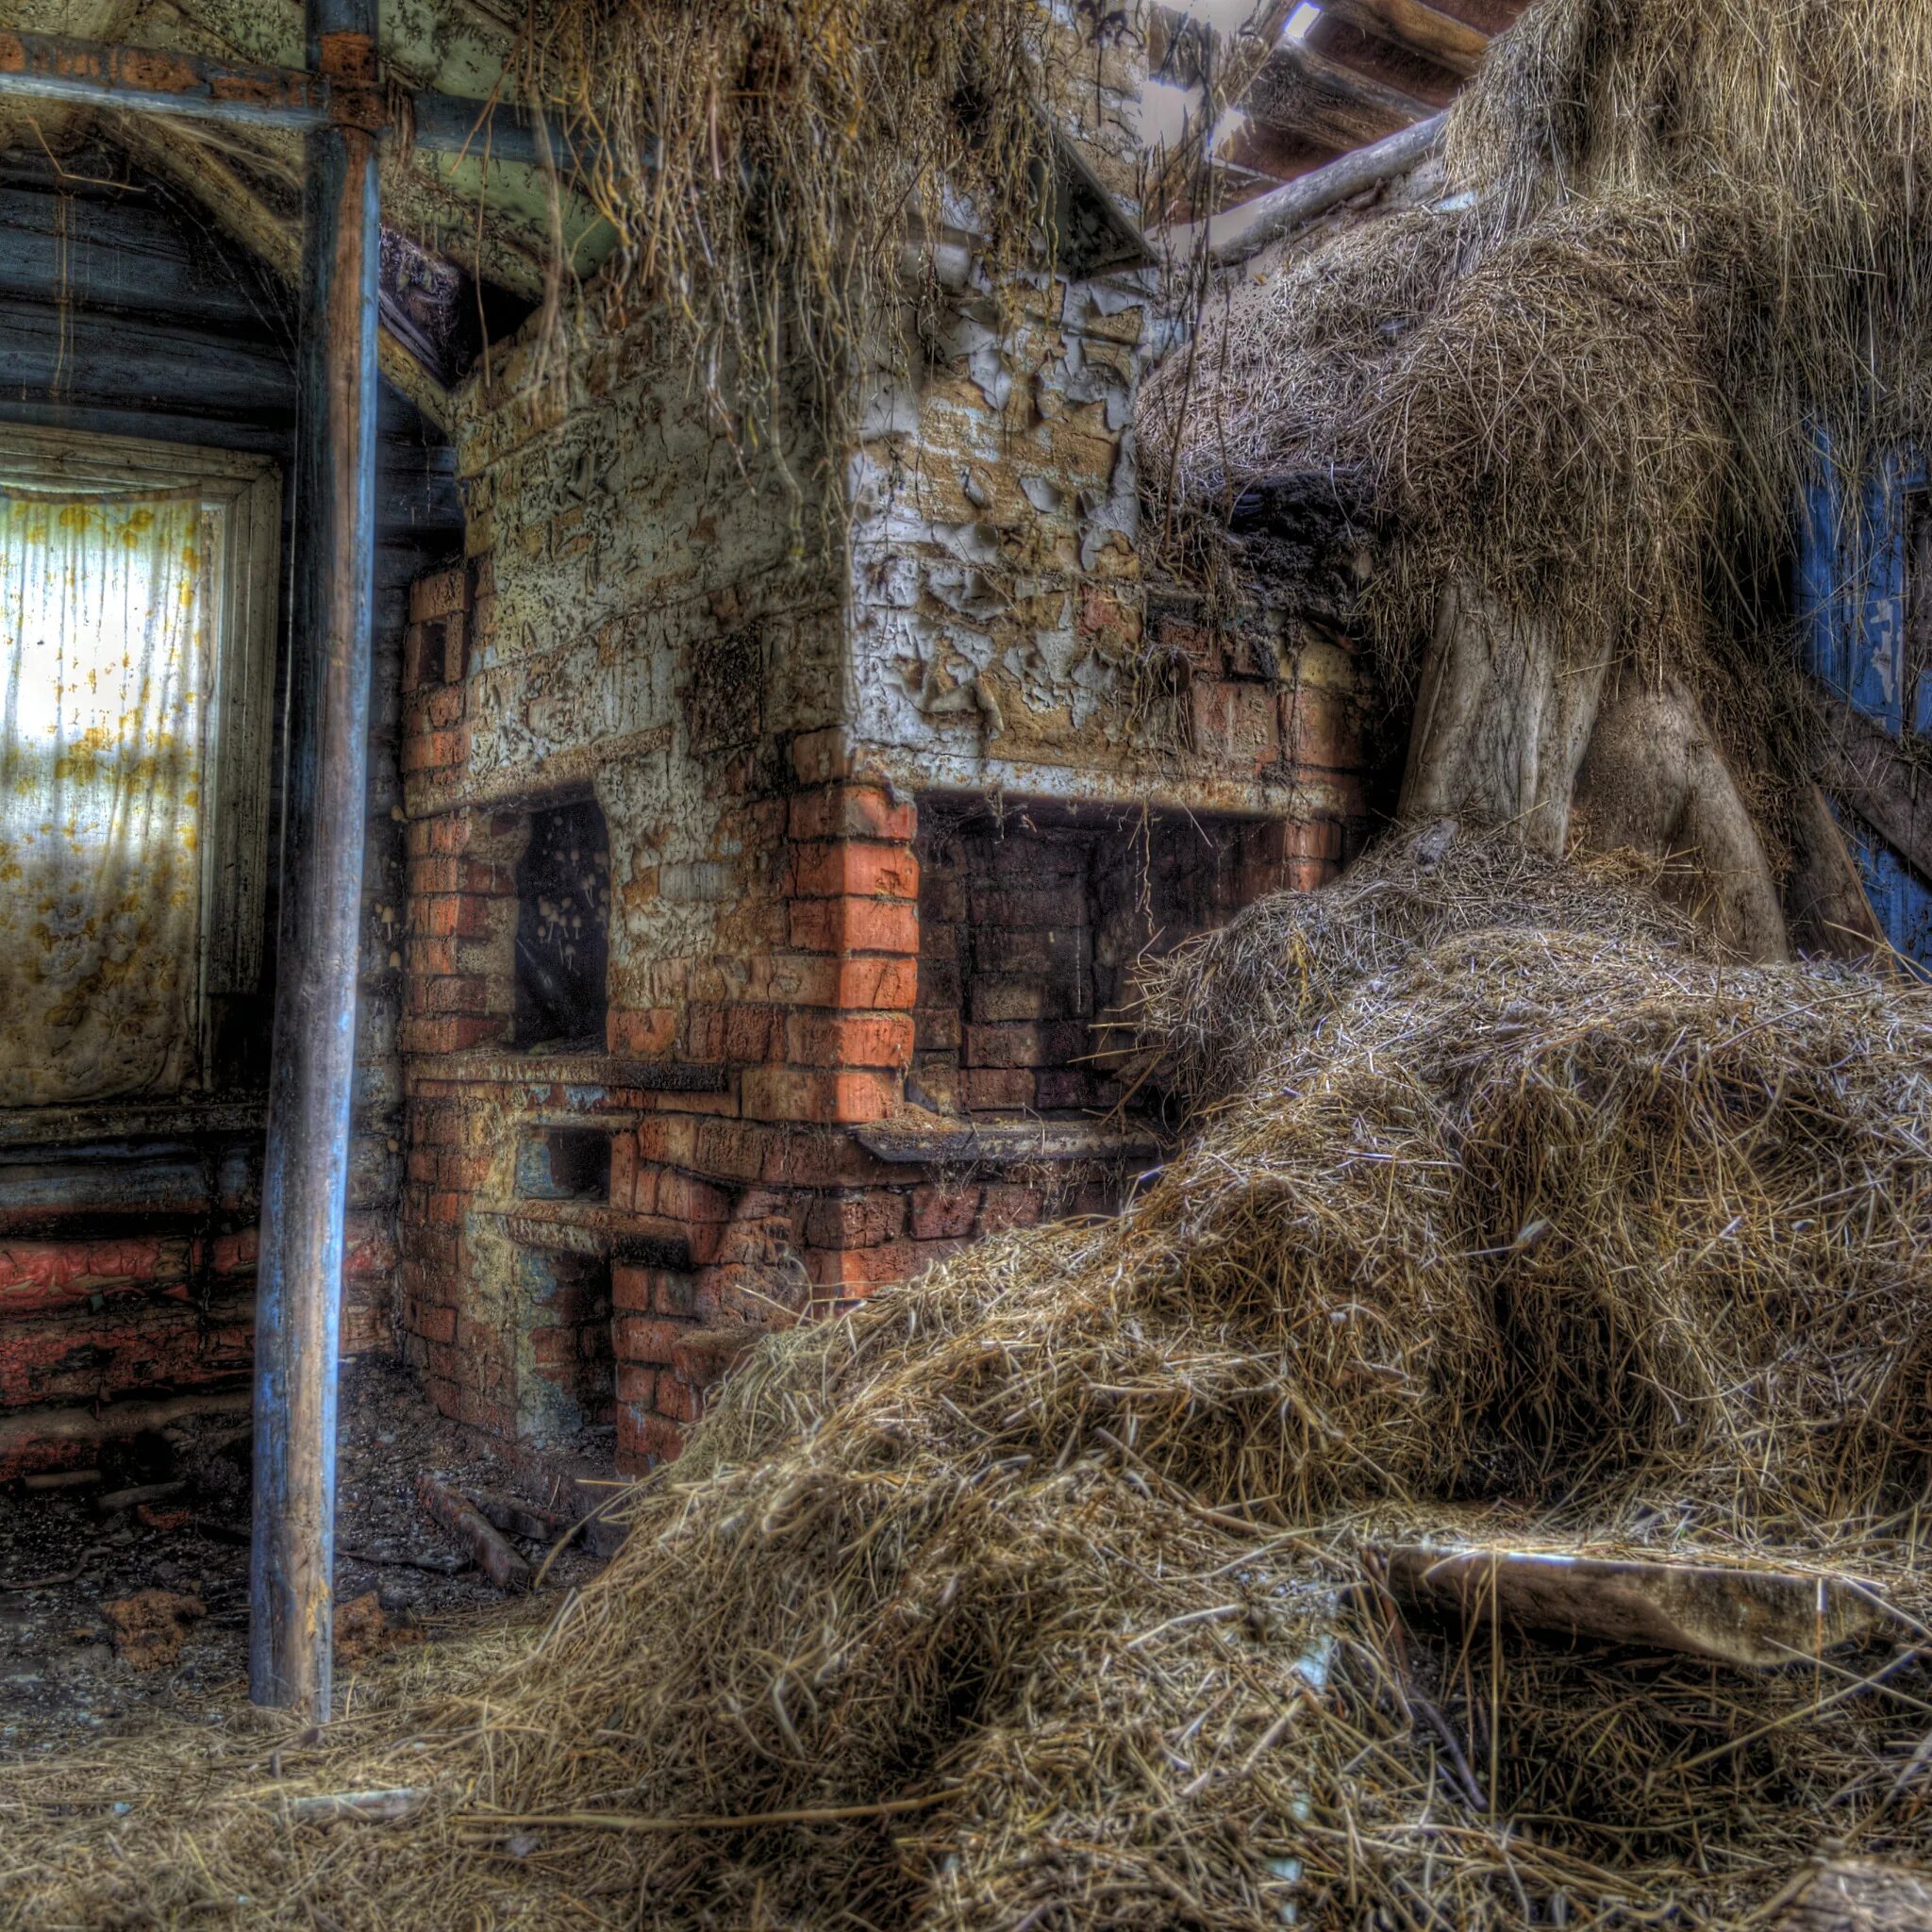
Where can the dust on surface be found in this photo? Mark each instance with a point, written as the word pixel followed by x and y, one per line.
pixel 63 1676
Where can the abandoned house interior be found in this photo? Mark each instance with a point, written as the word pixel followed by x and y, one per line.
pixel 966 965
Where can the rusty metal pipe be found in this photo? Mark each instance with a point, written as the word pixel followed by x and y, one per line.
pixel 306 1171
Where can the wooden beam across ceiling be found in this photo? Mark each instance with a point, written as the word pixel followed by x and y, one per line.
pixel 164 82
pixel 1416 29
pixel 1301 92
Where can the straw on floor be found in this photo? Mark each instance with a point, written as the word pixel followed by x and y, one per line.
pixel 1036 1593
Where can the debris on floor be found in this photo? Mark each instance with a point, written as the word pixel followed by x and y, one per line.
pixel 98 1577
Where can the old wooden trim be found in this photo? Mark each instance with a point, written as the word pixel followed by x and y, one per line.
pixel 154 82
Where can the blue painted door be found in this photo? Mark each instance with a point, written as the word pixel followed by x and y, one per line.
pixel 1863 601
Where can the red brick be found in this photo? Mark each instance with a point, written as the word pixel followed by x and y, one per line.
pixel 645 1337
pixel 985 1089
pixel 731 1150
pixel 852 811
pixel 871 985
pixel 624 1169
pixel 853 925
pixel 647 1035
pixel 861 1269
pixel 439 594
pixel 856 1220
pixel 631 1289
pixel 1005 1206
pixel 552 1348
pixel 676 1399
pixel 436 1323
pixel 1017 1043
pixel 1065 1087
pixel 943 1213
pixel 1236 725
pixel 997 999
pixel 810 1093
pixel 682 1198
pixel 1047 909
pixel 646 1439
pixel 637 1383
pixel 468 992
pixel 1318 728
pixel 450 1034
pixel 857 867
pixel 938 1029
pixel 734 1032
pixel 435 750
pixel 437 916
pixel 670 1138
pixel 849 1039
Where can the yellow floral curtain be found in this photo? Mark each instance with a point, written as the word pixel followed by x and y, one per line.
pixel 106 643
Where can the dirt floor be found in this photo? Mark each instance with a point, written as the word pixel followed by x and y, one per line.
pixel 128 1596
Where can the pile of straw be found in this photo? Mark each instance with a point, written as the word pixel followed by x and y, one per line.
pixel 1687 238
pixel 764 162
pixel 1035 1595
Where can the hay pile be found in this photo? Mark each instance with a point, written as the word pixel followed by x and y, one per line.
pixel 1034 1596
pixel 763 162
pixel 1691 237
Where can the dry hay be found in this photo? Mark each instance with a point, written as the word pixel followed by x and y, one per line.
pixel 1211 1016
pixel 1037 1585
pixel 764 162
pixel 1683 241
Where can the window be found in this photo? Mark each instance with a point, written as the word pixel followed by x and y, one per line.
pixel 137 630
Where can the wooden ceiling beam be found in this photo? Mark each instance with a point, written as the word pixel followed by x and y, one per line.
pixel 1281 84
pixel 1416 29
pixel 1306 93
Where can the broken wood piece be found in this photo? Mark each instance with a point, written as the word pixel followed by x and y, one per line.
pixel 1752 1618
pixel 372 1808
pixel 517 1518
pixel 1858 1895
pixel 60 1479
pixel 52 1581
pixel 495 1556
pixel 115 1500
pixel 404 1559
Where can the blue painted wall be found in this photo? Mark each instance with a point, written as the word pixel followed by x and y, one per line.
pixel 1852 597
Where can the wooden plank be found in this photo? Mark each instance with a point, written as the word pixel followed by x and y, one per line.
pixel 1305 93
pixel 920 1143
pixel 1416 29
pixel 1244 232
pixel 1756 1617
pixel 140 362
pixel 1872 773
pixel 305 1180
pixel 495 1556
pixel 50 67
pixel 156 81
pixel 125 256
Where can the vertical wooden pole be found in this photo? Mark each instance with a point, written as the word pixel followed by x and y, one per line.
pixel 305 1180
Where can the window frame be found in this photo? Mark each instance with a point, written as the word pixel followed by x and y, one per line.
pixel 232 941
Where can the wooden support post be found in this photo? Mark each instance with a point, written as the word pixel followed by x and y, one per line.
pixel 306 1176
